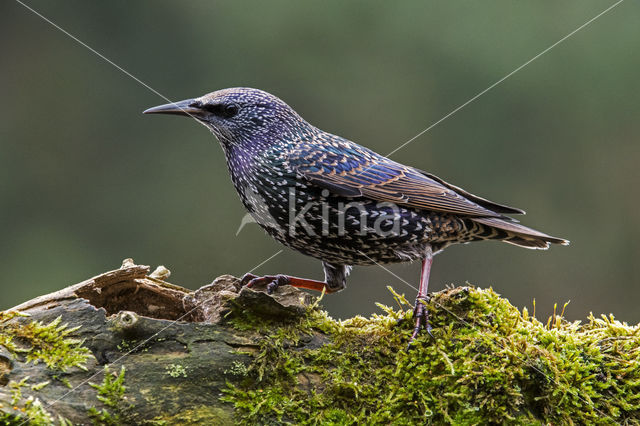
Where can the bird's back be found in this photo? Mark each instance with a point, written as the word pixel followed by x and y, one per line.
pixel 333 199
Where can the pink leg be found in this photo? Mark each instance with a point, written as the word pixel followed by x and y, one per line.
pixel 420 312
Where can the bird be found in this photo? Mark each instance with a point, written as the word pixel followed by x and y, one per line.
pixel 342 203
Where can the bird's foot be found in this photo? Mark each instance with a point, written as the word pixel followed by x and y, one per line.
pixel 271 281
pixel 421 316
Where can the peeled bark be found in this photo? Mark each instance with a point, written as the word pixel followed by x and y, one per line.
pixel 177 350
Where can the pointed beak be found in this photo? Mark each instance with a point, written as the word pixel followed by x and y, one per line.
pixel 188 107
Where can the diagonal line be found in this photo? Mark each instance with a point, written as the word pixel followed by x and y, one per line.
pixel 396 149
pixel 187 113
pixel 49 404
pixel 528 360
pixel 266 260
pixel 101 56
pixel 138 346
pixel 505 77
pixel 76 39
pixel 118 67
pixel 392 152
pixel 389 271
pixel 444 308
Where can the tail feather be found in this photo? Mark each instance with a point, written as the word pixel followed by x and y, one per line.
pixel 514 233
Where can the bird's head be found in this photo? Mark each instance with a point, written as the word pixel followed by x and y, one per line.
pixel 238 115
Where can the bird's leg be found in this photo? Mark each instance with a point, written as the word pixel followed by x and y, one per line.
pixel 335 277
pixel 420 312
pixel 274 281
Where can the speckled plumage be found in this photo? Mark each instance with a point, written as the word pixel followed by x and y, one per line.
pixel 337 201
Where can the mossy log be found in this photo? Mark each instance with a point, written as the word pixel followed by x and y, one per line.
pixel 126 347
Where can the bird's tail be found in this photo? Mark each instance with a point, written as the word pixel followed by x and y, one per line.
pixel 514 233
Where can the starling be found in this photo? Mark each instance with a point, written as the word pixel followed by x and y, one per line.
pixel 337 201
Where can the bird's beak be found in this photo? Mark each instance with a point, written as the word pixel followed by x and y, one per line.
pixel 188 107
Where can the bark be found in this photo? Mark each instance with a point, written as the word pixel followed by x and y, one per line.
pixel 225 354
pixel 177 348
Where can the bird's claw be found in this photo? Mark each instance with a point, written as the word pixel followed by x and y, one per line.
pixel 421 315
pixel 246 278
pixel 271 281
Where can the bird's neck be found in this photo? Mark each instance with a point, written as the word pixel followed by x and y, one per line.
pixel 257 165
pixel 247 163
pixel 240 158
pixel 247 154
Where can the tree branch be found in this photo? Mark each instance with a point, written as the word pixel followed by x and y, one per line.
pixel 126 347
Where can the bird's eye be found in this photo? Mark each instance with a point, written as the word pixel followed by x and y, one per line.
pixel 230 110
pixel 222 110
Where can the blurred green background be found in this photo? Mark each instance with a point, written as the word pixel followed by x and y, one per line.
pixel 86 180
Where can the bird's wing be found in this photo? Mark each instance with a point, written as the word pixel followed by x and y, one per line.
pixel 347 169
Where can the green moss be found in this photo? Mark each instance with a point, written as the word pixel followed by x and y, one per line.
pixel 488 363
pixel 40 386
pixel 16 389
pixel 26 409
pixel 34 341
pixel 32 412
pixel 133 345
pixel 237 369
pixel 62 380
pixel 111 394
pixel 37 342
pixel 200 415
pixel 125 346
pixel 176 370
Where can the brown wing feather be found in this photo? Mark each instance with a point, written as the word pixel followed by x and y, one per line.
pixel 409 187
pixel 348 169
pixel 499 208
